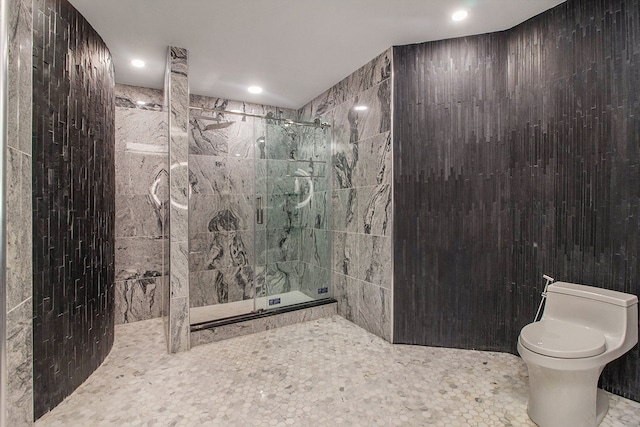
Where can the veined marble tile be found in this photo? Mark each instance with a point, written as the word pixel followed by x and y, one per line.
pixel 209 175
pixel 18 227
pixel 241 176
pixel 179 327
pixel 344 210
pixel 375 253
pixel 260 177
pixel 207 141
pixel 241 140
pixel 281 142
pixel 282 277
pixel 314 279
pixel 282 245
pixel 137 257
pixel 374 310
pixel 352 126
pixel 221 249
pixel 178 148
pixel 312 144
pixel 345 155
pixel 20 70
pixel 371 74
pixel 345 292
pixel 19 342
pixel 245 107
pixel 138 299
pixel 206 288
pixel 314 213
pixel 260 283
pixel 128 96
pixel 179 271
pixel 138 216
pixel 374 207
pixel 315 247
pixel 221 286
pixel 141 131
pixel 220 213
pixel 374 161
pixel 139 174
pixel 293 317
pixel 281 211
pixel 346 258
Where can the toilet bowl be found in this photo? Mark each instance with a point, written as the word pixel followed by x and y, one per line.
pixel 581 330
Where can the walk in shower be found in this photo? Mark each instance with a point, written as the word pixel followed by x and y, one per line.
pixel 259 235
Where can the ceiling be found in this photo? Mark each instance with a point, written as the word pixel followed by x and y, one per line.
pixel 294 49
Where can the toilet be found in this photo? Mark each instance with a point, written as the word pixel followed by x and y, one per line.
pixel 581 330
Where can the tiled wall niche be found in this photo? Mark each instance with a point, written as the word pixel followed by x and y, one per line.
pixel 73 202
pixel 361 201
pixel 19 279
pixel 516 155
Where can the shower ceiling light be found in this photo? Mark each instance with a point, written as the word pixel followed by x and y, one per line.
pixel 459 15
pixel 255 89
pixel 138 63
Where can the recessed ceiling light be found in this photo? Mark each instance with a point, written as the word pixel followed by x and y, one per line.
pixel 459 15
pixel 255 89
pixel 360 107
pixel 138 63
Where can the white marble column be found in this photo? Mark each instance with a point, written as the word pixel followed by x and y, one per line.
pixel 178 102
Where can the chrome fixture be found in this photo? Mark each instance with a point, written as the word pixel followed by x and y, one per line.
pixel 269 116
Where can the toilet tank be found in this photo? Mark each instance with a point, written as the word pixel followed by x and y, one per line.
pixel 604 309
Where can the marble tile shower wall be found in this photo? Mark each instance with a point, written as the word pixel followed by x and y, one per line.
pixel 225 177
pixel 312 201
pixel 361 199
pixel 141 196
pixel 18 214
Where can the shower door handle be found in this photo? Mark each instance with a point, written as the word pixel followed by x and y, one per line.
pixel 259 211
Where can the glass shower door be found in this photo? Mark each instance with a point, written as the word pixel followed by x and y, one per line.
pixel 293 240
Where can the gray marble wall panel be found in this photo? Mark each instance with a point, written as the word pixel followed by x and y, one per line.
pixel 18 211
pixel 178 109
pixel 142 192
pixel 138 299
pixel 361 221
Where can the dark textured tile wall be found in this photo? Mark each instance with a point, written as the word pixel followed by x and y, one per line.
pixel 73 201
pixel 517 154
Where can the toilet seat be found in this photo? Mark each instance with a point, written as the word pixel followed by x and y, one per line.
pixel 563 340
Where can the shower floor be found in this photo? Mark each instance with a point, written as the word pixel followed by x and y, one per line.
pixel 237 308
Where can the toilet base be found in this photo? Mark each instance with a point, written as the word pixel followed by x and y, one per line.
pixel 602 406
pixel 566 398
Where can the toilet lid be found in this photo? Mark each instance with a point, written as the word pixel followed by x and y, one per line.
pixel 563 340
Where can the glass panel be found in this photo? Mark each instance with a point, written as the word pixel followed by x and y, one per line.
pixel 221 217
pixel 294 238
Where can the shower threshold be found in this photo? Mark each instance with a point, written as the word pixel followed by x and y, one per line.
pixel 225 314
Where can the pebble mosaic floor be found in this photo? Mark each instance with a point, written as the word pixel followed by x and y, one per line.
pixel 327 372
